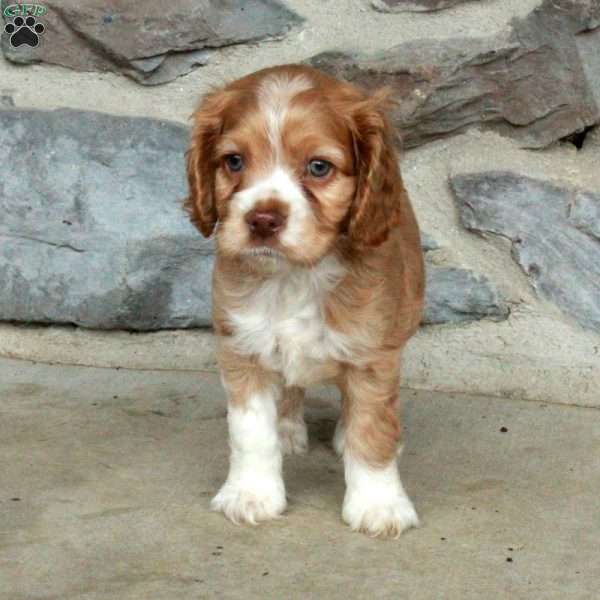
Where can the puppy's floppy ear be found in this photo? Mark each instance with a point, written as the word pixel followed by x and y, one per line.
pixel 207 126
pixel 380 194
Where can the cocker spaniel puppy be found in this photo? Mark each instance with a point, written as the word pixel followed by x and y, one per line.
pixel 318 277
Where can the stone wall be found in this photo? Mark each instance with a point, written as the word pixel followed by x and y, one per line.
pixel 498 104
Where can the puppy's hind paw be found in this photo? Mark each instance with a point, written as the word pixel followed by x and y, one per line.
pixel 338 441
pixel 293 436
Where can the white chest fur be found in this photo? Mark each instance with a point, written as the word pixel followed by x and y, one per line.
pixel 283 323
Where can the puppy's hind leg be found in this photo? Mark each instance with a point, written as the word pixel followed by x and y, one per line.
pixel 292 428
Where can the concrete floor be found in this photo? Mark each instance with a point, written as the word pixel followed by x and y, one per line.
pixel 106 475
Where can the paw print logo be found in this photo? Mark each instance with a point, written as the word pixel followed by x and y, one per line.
pixel 24 31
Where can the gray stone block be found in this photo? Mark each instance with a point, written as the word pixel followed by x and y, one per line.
pixel 459 295
pixel 554 232
pixel 536 83
pixel 414 5
pixel 151 41
pixel 92 229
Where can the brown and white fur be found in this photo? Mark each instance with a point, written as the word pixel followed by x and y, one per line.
pixel 317 278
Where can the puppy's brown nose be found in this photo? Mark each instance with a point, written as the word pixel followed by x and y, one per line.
pixel 265 223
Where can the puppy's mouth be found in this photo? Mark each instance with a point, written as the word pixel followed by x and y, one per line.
pixel 263 251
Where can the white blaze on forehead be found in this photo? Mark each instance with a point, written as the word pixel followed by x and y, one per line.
pixel 274 96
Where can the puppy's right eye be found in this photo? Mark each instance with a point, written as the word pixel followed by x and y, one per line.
pixel 234 162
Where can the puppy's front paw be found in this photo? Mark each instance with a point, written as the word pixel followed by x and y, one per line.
pixel 293 436
pixel 379 517
pixel 244 502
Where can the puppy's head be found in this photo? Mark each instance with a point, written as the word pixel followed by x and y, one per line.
pixel 286 160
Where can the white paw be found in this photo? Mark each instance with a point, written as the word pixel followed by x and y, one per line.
pixel 375 501
pixel 339 438
pixel 293 436
pixel 260 500
pixel 386 517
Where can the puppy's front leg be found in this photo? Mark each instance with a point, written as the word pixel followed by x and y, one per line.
pixel 254 489
pixel 375 502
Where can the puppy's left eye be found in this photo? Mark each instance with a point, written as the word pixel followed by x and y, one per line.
pixel 319 168
pixel 234 162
